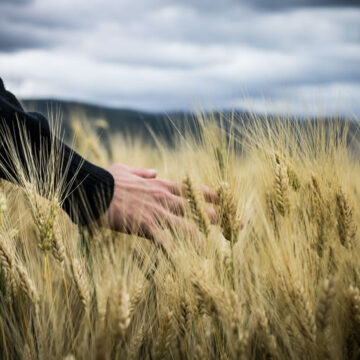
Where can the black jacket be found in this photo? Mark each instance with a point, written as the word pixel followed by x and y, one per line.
pixel 89 188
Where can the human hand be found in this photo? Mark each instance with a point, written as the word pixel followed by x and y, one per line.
pixel 143 205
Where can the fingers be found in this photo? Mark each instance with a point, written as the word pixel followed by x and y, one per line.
pixel 212 214
pixel 173 203
pixel 187 231
pixel 210 195
pixel 169 198
pixel 163 219
pixel 175 188
pixel 177 224
pixel 144 173
pixel 171 186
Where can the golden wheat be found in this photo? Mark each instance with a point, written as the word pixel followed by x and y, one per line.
pixel 267 291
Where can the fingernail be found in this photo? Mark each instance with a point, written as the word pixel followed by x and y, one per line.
pixel 152 171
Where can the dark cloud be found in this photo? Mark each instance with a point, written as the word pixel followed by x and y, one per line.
pixel 278 4
pixel 10 42
pixel 14 1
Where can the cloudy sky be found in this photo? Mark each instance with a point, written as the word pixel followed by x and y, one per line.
pixel 292 56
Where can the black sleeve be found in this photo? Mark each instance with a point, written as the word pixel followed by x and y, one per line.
pixel 89 188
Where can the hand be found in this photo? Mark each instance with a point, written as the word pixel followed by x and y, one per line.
pixel 143 205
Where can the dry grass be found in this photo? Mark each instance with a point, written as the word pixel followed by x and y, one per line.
pixel 282 283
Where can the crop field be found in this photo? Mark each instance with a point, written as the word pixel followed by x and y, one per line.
pixel 278 276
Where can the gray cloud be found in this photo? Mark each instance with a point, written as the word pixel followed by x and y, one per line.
pixel 276 4
pixel 163 55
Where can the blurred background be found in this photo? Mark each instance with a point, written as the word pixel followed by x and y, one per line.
pixel 297 57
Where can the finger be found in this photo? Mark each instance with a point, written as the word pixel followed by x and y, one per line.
pixel 144 173
pixel 188 232
pixel 164 241
pixel 173 187
pixel 210 195
pixel 153 230
pixel 180 225
pixel 173 203
pixel 178 189
pixel 213 216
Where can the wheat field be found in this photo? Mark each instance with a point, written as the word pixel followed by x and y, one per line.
pixel 278 277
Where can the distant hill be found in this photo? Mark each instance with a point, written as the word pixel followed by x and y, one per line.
pixel 124 120
pixel 135 122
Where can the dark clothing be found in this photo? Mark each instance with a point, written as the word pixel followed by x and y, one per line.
pixel 89 188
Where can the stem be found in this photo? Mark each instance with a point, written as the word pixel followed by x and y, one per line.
pixel 47 264
pixel 69 310
pixel 232 262
pixel 26 327
pixel 4 339
pixel 218 339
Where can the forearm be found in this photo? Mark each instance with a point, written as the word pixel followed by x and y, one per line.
pixel 87 190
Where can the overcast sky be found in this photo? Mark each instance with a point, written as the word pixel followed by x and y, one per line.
pixel 295 56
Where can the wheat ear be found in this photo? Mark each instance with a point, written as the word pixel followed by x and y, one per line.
pixel 81 283
pixel 281 187
pixel 3 206
pixel 294 180
pixel 165 335
pixel 136 296
pixel 354 296
pixel 28 287
pixel 135 343
pixel 272 213
pixel 345 223
pixel 229 221
pixel 58 249
pixel 195 201
pixel 123 309
pixel 185 315
pixel 26 353
pixel 353 338
pixel 268 339
pixel 324 305
pixel 309 318
pixel 7 262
